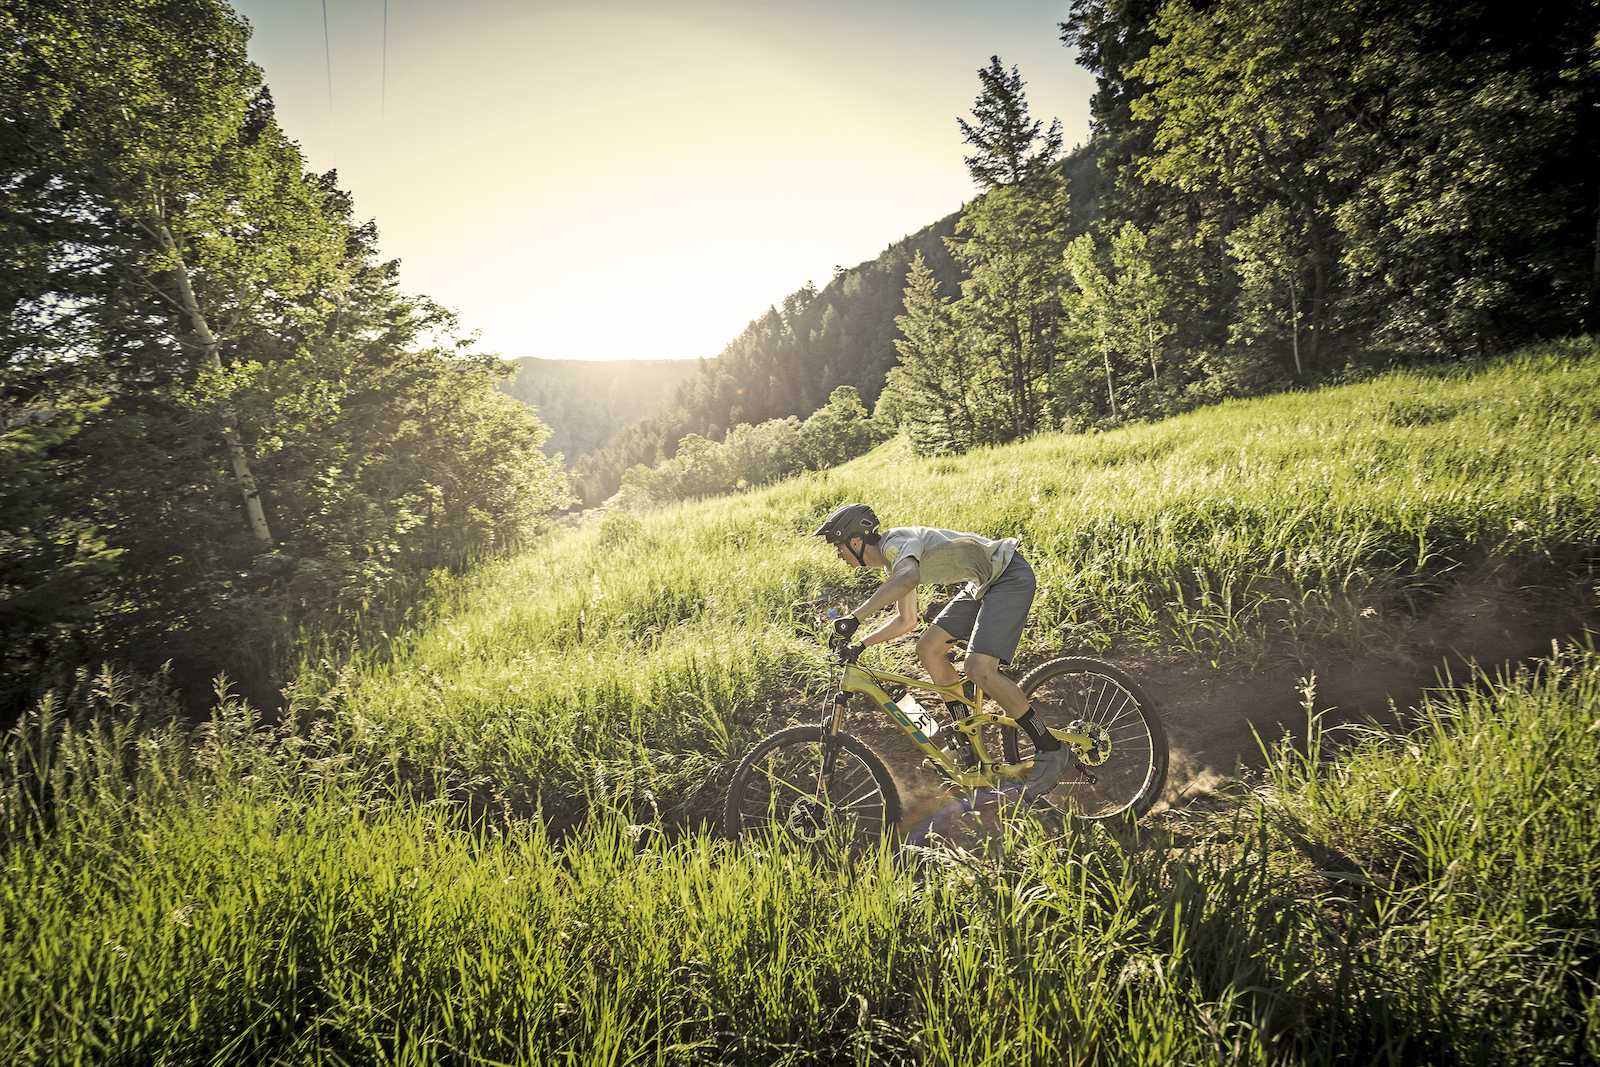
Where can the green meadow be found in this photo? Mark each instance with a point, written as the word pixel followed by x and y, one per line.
pixel 487 837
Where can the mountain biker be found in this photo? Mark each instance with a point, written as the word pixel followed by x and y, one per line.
pixel 988 614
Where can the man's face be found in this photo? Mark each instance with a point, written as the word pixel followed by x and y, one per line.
pixel 844 554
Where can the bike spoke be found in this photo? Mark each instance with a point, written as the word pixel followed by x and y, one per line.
pixel 778 786
pixel 1132 774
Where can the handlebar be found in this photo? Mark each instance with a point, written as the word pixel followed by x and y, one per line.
pixel 841 647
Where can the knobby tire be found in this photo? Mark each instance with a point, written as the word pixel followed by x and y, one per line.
pixel 775 786
pixel 1077 687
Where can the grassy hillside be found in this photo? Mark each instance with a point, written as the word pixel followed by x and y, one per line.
pixel 643 652
pixel 373 888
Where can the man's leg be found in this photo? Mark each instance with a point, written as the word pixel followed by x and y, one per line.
pixel 933 650
pixel 996 632
pixel 985 673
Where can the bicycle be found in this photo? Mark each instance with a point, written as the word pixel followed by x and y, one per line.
pixel 812 780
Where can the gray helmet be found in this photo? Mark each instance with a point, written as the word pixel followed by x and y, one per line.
pixel 847 522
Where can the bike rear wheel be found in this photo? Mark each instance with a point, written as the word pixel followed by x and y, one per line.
pixel 1130 780
pixel 775 787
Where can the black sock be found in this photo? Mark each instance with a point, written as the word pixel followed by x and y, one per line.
pixel 957 710
pixel 1043 739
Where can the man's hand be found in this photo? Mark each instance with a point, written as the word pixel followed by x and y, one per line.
pixel 846 627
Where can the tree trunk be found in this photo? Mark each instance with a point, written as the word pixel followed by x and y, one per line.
pixel 1150 328
pixel 1594 289
pixel 1319 289
pixel 209 344
pixel 1294 325
pixel 1111 391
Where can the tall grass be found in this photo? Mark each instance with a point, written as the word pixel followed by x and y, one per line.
pixel 634 658
pixel 1477 845
pixel 481 840
pixel 253 899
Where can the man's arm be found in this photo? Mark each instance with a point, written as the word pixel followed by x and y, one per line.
pixel 901 584
pixel 903 622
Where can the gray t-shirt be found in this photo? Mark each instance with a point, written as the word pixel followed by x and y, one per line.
pixel 945 557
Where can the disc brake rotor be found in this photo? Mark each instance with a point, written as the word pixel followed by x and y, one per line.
pixel 1099 748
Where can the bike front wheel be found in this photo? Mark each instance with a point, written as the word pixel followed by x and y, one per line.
pixel 776 787
pixel 1131 778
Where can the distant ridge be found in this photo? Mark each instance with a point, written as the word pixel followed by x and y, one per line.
pixel 585 402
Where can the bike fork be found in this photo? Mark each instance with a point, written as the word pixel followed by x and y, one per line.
pixel 830 743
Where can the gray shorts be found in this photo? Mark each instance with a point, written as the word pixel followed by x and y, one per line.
pixel 993 626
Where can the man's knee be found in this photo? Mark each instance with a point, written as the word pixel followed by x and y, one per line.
pixel 933 644
pixel 983 670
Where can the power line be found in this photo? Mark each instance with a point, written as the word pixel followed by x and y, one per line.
pixel 327 53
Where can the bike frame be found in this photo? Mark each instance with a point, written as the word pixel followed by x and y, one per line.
pixel 858 679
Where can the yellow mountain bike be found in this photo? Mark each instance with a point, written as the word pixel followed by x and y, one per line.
pixel 812 781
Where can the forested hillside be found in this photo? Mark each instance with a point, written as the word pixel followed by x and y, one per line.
pixel 222 421
pixel 789 361
pixel 1271 197
pixel 585 402
pixel 1288 191
pixel 785 363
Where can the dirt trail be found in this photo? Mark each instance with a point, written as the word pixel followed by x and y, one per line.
pixel 1213 717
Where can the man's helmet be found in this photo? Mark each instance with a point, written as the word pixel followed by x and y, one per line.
pixel 847 522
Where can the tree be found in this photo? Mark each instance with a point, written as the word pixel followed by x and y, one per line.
pixel 757 455
pixel 1430 159
pixel 837 432
pixel 54 568
pixel 1122 316
pixel 1010 239
pixel 932 387
pixel 1004 135
pixel 1271 265
pixel 1092 311
pixel 1233 112
pixel 189 314
pixel 202 219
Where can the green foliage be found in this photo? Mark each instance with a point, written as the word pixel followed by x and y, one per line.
pixel 52 569
pixel 837 432
pixel 1269 307
pixel 266 434
pixel 1122 317
pixel 933 392
pixel 757 455
pixel 255 896
pixel 1427 178
pixel 1011 241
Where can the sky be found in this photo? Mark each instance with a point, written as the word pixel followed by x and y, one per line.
pixel 613 180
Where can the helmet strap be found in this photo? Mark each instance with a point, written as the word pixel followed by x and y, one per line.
pixel 860 561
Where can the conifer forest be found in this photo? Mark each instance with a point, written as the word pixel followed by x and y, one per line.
pixel 1273 195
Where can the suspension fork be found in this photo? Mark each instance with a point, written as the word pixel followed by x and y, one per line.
pixel 832 721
